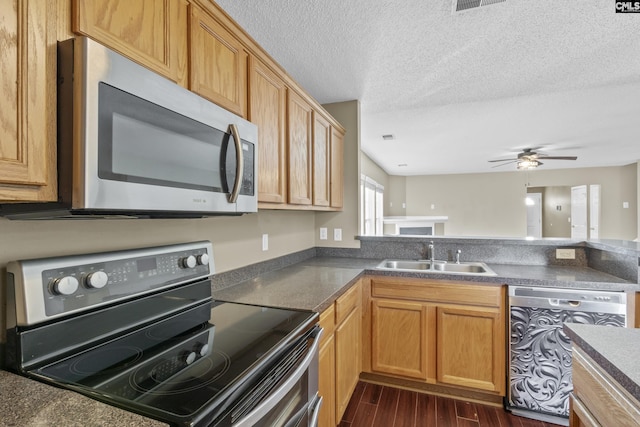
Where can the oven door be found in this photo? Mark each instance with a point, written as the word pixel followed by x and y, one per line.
pixel 295 402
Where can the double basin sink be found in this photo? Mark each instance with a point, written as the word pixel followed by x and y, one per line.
pixel 441 267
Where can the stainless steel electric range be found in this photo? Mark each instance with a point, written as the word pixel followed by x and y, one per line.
pixel 138 329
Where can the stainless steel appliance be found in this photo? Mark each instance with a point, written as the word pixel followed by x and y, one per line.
pixel 133 143
pixel 138 329
pixel 540 352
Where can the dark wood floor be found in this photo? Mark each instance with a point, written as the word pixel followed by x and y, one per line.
pixel 373 405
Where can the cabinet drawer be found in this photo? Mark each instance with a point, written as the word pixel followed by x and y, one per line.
pixel 601 395
pixel 440 291
pixel 347 302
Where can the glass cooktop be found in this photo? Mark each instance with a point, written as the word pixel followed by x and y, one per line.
pixel 174 375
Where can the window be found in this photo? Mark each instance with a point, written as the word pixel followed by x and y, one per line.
pixel 372 203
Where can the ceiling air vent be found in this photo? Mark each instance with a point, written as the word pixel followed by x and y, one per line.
pixel 462 5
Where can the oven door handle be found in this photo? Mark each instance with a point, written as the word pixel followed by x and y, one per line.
pixel 315 415
pixel 270 402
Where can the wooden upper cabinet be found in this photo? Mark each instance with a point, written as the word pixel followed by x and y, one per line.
pixel 337 168
pixel 27 105
pixel 321 160
pixel 300 149
pixel 218 69
pixel 150 32
pixel 268 110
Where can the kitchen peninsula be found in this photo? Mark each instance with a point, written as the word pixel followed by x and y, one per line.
pixel 315 279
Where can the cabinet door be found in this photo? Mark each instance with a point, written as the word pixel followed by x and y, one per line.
pixel 399 338
pixel 218 63
pixel 267 110
pixel 327 383
pixel 27 106
pixel 321 160
pixel 337 168
pixel 348 357
pixel 151 32
pixel 300 150
pixel 471 347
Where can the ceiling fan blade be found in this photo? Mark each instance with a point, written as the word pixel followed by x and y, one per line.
pixel 559 157
pixel 509 161
pixel 503 160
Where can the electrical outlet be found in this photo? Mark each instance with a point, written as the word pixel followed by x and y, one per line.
pixel 323 233
pixel 337 234
pixel 265 242
pixel 565 254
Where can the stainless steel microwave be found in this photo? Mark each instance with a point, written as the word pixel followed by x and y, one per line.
pixel 132 143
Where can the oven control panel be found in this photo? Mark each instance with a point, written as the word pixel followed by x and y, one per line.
pixel 72 284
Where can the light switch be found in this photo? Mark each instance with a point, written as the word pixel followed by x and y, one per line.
pixel 323 233
pixel 265 242
pixel 337 234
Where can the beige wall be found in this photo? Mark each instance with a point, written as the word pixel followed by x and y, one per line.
pixel 372 170
pixel 492 204
pixel 555 223
pixel 237 241
pixel 348 114
pixel 476 204
pixel 395 196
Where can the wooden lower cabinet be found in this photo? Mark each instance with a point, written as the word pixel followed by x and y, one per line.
pixel 439 332
pixel 340 355
pixel 471 347
pixel 399 338
pixel 327 382
pixel 348 343
pixel 598 399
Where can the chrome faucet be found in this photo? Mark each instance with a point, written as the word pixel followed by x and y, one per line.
pixel 431 253
pixel 458 252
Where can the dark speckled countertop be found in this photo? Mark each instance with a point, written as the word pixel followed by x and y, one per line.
pixel 313 284
pixel 29 403
pixel 616 350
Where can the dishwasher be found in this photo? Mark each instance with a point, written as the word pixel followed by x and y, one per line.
pixel 539 350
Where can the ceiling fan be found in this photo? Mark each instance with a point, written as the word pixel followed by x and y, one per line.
pixel 529 159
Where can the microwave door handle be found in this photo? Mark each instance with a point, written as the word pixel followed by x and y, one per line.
pixel 233 196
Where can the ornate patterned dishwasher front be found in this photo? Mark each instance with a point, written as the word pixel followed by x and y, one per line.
pixel 540 352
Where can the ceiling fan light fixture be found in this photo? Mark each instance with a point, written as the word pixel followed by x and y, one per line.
pixel 528 164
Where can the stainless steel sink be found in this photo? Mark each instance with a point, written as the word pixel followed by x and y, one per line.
pixel 425 266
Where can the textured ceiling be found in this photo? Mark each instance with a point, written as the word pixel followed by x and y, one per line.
pixel 459 89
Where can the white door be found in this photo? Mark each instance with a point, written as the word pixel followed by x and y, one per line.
pixel 534 215
pixel 579 212
pixel 594 211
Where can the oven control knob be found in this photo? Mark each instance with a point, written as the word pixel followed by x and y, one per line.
pixel 189 261
pixel 203 259
pixel 189 357
pixel 97 279
pixel 66 285
pixel 202 349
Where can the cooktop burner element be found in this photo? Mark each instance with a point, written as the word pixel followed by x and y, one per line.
pixel 167 351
